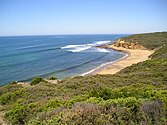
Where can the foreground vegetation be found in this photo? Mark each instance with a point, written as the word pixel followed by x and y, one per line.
pixel 135 95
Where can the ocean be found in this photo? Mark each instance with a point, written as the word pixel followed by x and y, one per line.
pixel 61 56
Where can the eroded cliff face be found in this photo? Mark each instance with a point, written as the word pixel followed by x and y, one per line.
pixel 128 45
pixel 124 44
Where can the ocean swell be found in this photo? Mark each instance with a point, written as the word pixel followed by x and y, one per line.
pixel 75 66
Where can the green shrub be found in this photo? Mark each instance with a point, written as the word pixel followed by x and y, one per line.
pixel 51 105
pixel 6 98
pixel 75 99
pixel 10 88
pixel 55 120
pixel 129 102
pixel 12 83
pixel 37 80
pixel 52 78
pixel 17 115
pixel 104 93
pixel 95 100
pixel 11 96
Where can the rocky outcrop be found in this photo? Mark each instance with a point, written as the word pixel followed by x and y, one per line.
pixel 123 44
pixel 128 45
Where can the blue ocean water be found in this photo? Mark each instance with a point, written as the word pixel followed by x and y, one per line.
pixel 25 57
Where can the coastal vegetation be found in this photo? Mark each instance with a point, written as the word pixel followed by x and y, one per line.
pixel 135 95
pixel 148 40
pixel 37 80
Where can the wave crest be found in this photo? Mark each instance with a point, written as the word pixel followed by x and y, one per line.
pixel 83 47
pixel 103 50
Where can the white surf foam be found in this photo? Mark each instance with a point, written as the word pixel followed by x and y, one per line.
pixel 83 47
pixel 76 48
pixel 79 49
pixel 101 42
pixel 70 46
pixel 103 50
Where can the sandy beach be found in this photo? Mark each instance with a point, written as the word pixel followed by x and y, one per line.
pixel 133 56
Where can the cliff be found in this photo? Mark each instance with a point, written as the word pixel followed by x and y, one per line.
pixel 122 43
pixel 128 45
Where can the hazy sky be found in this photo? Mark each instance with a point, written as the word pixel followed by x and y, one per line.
pixel 38 17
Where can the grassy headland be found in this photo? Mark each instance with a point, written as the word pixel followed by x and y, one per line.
pixel 135 95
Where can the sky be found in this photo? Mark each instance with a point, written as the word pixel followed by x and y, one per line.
pixel 52 17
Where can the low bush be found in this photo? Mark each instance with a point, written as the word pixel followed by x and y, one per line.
pixel 17 115
pixel 37 80
pixel 52 78
pixel 12 83
pixel 104 93
pixel 11 97
pixel 52 104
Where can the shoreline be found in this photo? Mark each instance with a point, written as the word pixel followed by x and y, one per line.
pixel 132 56
pixel 97 69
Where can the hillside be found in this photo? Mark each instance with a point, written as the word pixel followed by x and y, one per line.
pixel 148 40
pixel 135 95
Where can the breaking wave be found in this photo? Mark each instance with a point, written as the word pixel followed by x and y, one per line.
pixel 83 47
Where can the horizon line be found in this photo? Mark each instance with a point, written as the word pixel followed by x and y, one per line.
pixel 64 34
pixel 78 34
